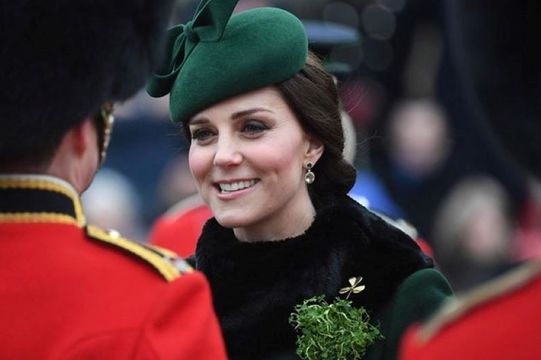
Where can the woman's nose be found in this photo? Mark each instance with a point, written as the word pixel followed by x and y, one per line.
pixel 227 153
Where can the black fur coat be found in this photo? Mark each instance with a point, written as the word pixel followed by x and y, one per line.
pixel 256 285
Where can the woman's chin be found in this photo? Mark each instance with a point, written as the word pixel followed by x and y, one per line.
pixel 231 222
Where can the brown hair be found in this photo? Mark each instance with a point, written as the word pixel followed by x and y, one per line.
pixel 313 97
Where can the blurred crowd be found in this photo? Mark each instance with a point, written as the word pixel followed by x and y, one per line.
pixel 422 148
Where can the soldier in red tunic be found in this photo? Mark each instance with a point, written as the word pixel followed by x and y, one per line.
pixel 499 320
pixel 68 289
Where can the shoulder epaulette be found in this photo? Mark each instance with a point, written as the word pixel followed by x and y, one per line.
pixel 166 262
pixel 455 309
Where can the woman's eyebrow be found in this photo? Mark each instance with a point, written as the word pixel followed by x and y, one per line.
pixel 198 120
pixel 236 115
pixel 243 113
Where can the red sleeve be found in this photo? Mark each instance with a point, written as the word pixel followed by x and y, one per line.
pixel 180 325
pixel 183 324
pixel 410 347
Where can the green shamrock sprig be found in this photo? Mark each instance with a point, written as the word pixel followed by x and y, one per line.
pixel 337 331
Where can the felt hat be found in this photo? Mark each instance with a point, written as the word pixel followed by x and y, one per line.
pixel 216 56
pixel 61 59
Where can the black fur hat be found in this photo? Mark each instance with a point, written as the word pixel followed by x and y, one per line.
pixel 61 59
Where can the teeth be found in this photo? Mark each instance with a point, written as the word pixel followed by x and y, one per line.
pixel 239 185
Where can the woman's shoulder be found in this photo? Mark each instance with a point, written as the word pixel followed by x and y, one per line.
pixel 374 223
pixel 394 240
pixel 416 298
pixel 428 285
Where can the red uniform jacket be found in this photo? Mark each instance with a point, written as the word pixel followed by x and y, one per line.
pixel 70 291
pixel 499 320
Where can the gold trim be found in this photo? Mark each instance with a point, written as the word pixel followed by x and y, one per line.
pixel 28 217
pixel 178 262
pixel 168 271
pixel 471 300
pixel 163 251
pixel 39 184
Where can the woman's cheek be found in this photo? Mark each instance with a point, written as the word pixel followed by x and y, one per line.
pixel 200 163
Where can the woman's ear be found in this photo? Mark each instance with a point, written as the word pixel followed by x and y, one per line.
pixel 314 149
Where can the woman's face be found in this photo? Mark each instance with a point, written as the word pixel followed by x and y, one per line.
pixel 248 157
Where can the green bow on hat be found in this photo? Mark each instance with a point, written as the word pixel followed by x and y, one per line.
pixel 208 24
pixel 216 56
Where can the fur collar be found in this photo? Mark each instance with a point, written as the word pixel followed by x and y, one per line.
pixel 256 285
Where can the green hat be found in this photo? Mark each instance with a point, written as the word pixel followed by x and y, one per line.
pixel 216 56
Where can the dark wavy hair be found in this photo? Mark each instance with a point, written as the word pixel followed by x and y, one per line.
pixel 313 97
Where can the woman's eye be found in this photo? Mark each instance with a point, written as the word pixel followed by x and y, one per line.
pixel 254 127
pixel 201 135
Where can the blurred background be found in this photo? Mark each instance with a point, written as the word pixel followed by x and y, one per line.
pixel 439 94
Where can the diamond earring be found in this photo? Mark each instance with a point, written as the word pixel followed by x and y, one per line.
pixel 309 177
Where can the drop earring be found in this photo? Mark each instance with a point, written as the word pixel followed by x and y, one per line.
pixel 309 177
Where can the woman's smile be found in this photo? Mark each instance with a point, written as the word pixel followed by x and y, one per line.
pixel 236 185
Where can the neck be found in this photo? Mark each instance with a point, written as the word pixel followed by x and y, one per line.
pixel 293 221
pixel 72 172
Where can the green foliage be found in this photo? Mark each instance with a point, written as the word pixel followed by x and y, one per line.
pixel 336 331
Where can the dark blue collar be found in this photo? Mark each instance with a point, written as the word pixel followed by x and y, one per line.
pixel 35 198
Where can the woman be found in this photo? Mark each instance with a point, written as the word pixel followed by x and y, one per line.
pixel 266 153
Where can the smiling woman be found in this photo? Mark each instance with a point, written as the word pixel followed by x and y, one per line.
pixel 266 137
pixel 250 150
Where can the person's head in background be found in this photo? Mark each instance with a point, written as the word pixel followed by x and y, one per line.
pixel 261 124
pixel 66 63
pixel 418 137
pixel 473 232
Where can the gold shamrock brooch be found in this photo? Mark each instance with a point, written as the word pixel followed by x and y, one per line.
pixel 354 288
